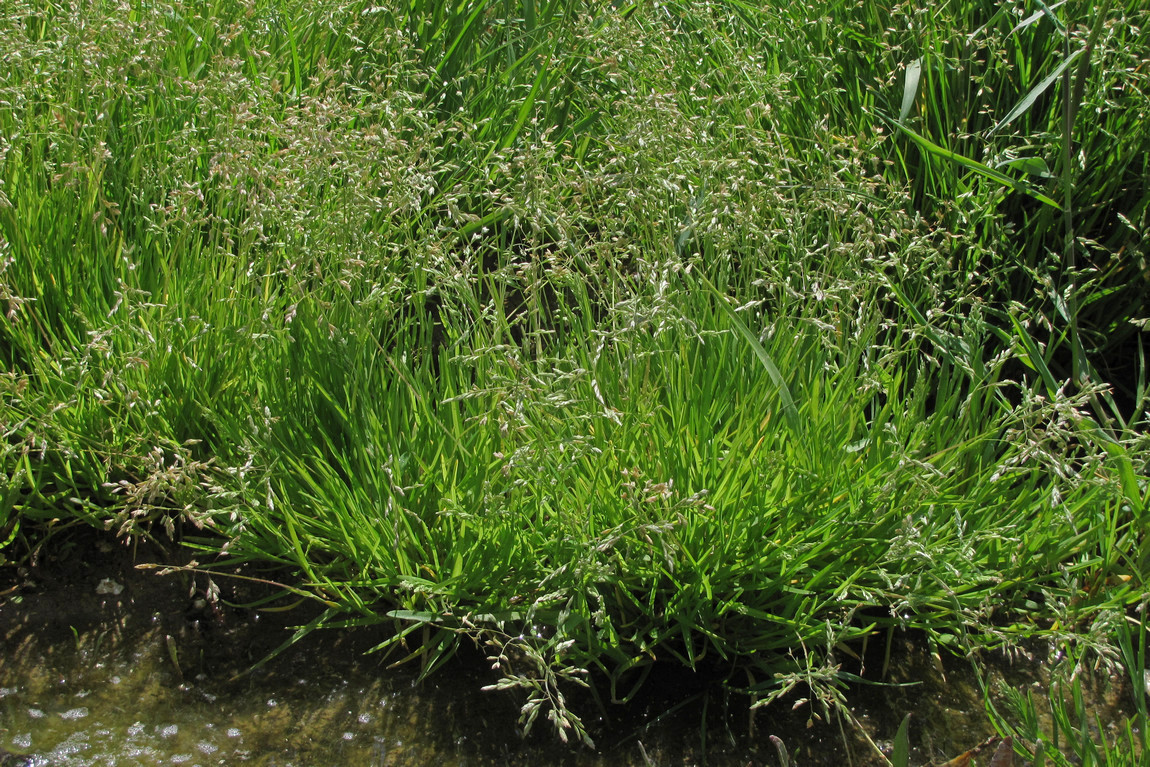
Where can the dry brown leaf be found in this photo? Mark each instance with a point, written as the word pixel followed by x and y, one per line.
pixel 963 759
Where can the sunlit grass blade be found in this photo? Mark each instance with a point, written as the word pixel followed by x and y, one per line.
pixel 790 410
pixel 910 89
pixel 974 165
pixel 1028 100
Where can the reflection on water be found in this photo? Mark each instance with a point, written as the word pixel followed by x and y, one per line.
pixel 90 707
pixel 101 664
pixel 110 692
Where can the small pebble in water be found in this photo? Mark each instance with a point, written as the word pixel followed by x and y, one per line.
pixel 109 586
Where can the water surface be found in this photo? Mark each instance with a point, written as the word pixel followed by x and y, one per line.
pixel 105 664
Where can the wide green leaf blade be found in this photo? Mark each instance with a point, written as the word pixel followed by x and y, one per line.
pixel 910 88
pixel 974 165
pixel 1029 99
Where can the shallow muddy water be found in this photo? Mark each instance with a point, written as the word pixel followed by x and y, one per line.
pixel 105 664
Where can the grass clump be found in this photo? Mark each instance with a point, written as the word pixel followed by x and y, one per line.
pixel 1075 734
pixel 603 335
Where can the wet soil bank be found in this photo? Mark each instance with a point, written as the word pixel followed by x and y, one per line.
pixel 102 662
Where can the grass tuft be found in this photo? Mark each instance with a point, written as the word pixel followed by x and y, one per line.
pixel 603 336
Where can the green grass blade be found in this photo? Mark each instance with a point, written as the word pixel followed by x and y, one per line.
pixel 790 410
pixel 983 170
pixel 900 755
pixel 910 89
pixel 1028 100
